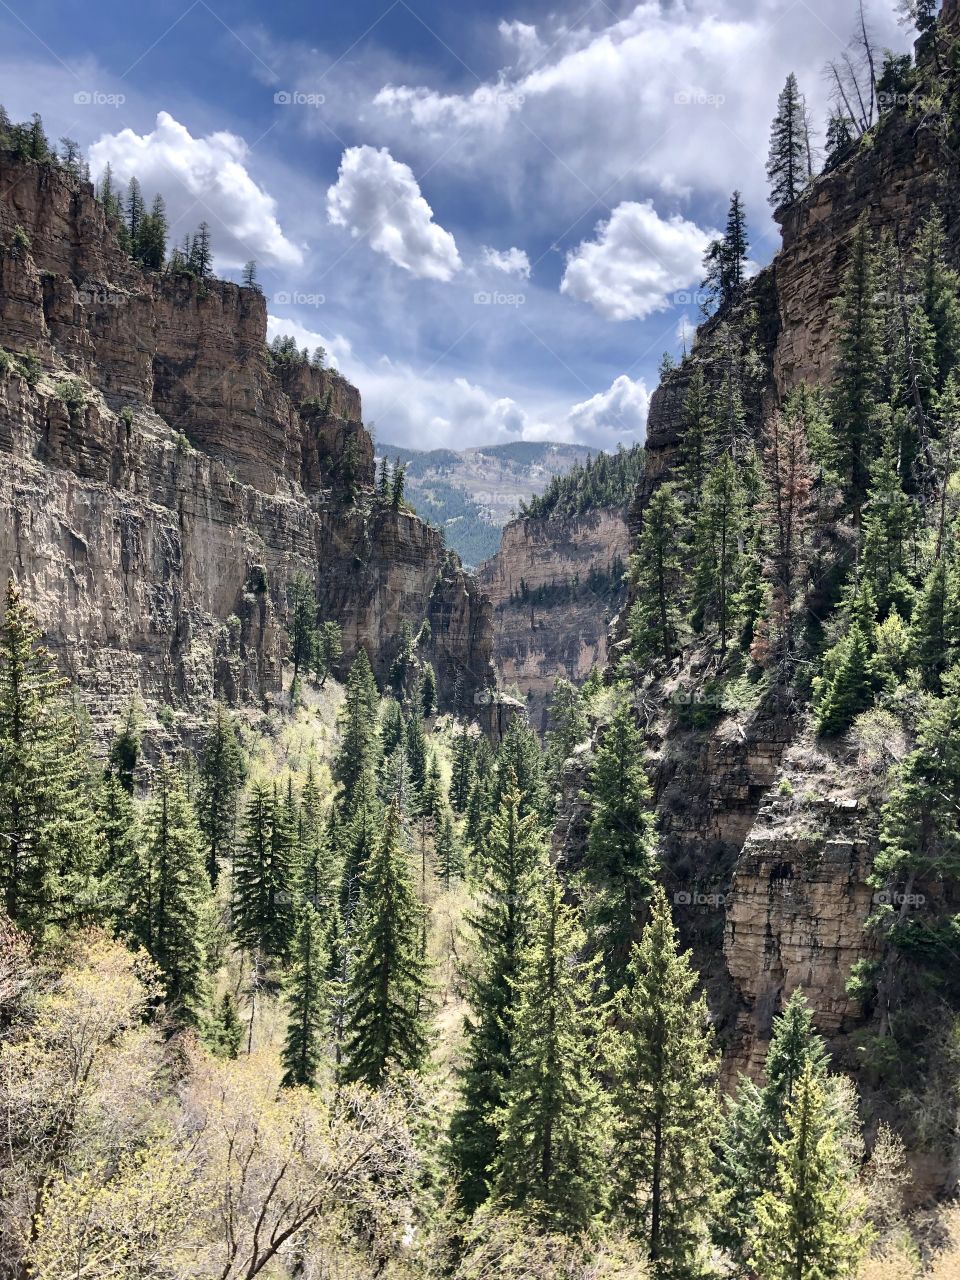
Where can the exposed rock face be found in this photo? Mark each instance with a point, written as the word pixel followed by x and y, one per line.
pixel 155 524
pixel 548 619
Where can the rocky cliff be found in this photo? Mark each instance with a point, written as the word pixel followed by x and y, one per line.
pixel 768 837
pixel 555 586
pixel 161 481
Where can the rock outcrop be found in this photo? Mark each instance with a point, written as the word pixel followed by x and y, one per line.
pixel 162 479
pixel 554 586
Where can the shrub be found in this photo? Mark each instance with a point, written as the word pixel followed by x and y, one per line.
pixel 71 392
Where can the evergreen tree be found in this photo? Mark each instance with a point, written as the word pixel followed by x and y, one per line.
pixel 226 1032
pixel 461 780
pixel 221 777
pixel 263 875
pixel 172 894
pixel 201 254
pixel 416 741
pixel 398 485
pixel 621 842
pixel 328 650
pixel 787 167
pixel 125 750
pixel 305 996
pixel 889 527
pixel 47 828
pixel 383 479
pixel 757 1119
pixel 847 685
pixel 250 276
pixel 717 542
pixel 665 1102
pixel 725 259
pixel 108 196
pixel 428 691
pixel 935 627
pixel 359 754
pixel 135 211
pixel 569 726
pixel 302 627
pixel 520 764
pixel 695 443
pixel 512 869
pixel 858 366
pixel 448 854
pixel 552 1158
pixel 807 1222
pixel 789 480
pixel 657 573
pixel 152 238
pixel 385 1028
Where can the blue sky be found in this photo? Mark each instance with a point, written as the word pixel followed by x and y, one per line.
pixel 492 217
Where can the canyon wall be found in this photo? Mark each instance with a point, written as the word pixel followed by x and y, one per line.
pixel 161 480
pixel 553 597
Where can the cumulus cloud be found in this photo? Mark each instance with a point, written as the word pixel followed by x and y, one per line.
pixel 201 178
pixel 378 197
pixel 619 413
pixel 636 262
pixel 513 261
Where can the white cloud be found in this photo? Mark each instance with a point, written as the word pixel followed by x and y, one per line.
pixel 619 413
pixel 513 261
pixel 524 39
pixel 636 262
pixel 378 197
pixel 201 178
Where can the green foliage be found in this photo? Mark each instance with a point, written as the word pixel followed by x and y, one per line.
pixel 621 863
pixel 360 745
pixel 386 1028
pixel 568 727
pixel 305 997
pixel 718 556
pixel 222 771
pixel 606 480
pixel 657 574
pixel 552 1155
pixel 666 1103
pixel 859 365
pixel 788 166
pixel 263 874
pixel 725 259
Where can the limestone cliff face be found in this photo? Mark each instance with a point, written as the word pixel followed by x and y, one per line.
pixel 155 519
pixel 552 596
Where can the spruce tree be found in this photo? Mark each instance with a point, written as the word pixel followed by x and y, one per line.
pixel 787 166
pixel 725 259
pixel 358 757
pixel 520 765
pixel 789 478
pixel 201 253
pixel 305 997
pixel 302 627
pixel 568 726
pixel 859 362
pixel 461 780
pixel 263 877
pixel 416 750
pixel 554 1144
pixel 807 1222
pixel 172 894
pixel 428 691
pixel 328 650
pixel 249 278
pixel 512 870
pixel 889 527
pixel 125 750
pixel 696 441
pixel 385 1025
pixel 448 854
pixel 221 777
pixel 47 826
pixel 135 211
pixel 666 1102
pixel 620 863
pixel 717 549
pixel 657 572
pixel 847 685
pixel 225 1035
pixel 935 626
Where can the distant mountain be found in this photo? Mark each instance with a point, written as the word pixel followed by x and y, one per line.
pixel 472 493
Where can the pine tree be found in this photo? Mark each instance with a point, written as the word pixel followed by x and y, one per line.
pixel 172 894
pixel 328 651
pixel 201 254
pixel 398 485
pixel 461 780
pixel 717 539
pixel 385 1027
pixel 305 997
pixel 250 276
pixel 47 825
pixel 520 764
pixel 725 259
pixel 302 627
pixel 221 776
pixel 152 238
pixel 512 870
pixel 789 480
pixel 428 691
pixel 847 685
pixel 935 626
pixel 657 571
pixel 360 747
pixel 568 726
pixel 665 1101
pixel 807 1222
pixel 263 877
pixel 433 802
pixel 621 843
pixel 552 1158
pixel 889 526
pixel 448 854
pixel 226 1032
pixel 696 440
pixel 416 742
pixel 383 479
pixel 787 167
pixel 858 366
pixel 756 1120
pixel 125 750
pixel 135 213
